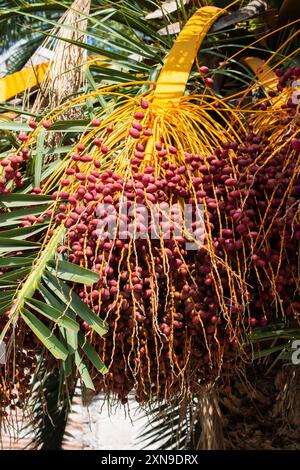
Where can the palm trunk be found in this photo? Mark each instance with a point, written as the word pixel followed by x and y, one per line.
pixel 211 420
pixel 288 400
pixel 66 72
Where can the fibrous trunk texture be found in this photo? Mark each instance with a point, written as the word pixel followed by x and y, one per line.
pixel 288 400
pixel 65 74
pixel 211 420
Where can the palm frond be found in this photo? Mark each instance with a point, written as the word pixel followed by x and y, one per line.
pixel 172 425
pixel 49 407
pixel 54 319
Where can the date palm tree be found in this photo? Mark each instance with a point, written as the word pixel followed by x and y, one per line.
pixel 132 39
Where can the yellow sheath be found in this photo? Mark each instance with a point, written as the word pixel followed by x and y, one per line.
pixel 267 78
pixel 30 77
pixel 17 82
pixel 175 72
pixel 263 72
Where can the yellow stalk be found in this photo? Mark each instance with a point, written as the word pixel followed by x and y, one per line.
pixel 174 75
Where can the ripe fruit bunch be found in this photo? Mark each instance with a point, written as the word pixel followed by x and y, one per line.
pixel 11 171
pixel 130 141
pixel 159 299
pixel 178 317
